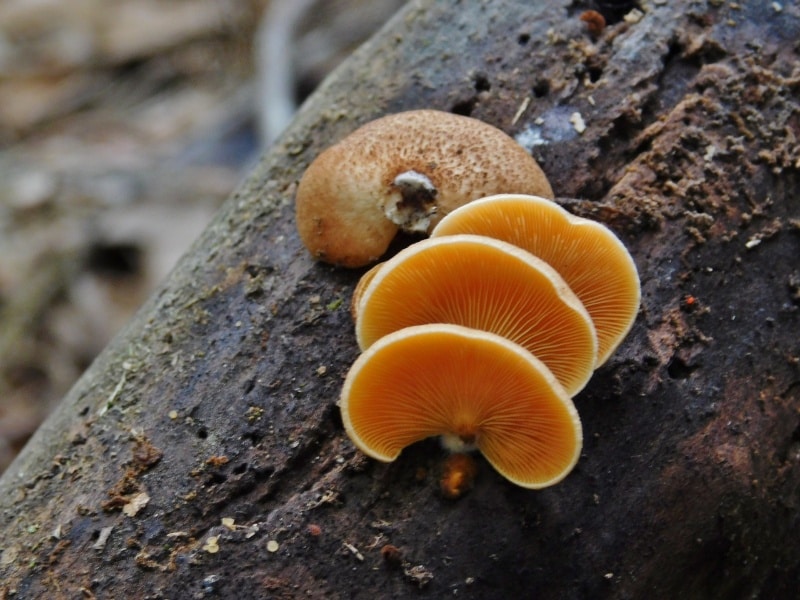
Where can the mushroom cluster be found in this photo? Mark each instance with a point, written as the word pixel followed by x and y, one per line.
pixel 483 332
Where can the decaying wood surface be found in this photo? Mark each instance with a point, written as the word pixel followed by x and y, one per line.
pixel 218 401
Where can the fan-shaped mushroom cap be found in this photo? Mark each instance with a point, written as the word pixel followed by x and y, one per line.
pixel 404 171
pixel 590 258
pixel 486 284
pixel 450 380
pixel 362 284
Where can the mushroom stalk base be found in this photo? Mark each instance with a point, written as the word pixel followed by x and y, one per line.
pixel 455 443
pixel 413 210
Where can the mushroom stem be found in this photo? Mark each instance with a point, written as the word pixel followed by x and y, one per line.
pixel 454 442
pixel 413 210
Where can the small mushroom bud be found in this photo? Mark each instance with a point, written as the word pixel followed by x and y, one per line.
pixel 405 172
pixel 459 475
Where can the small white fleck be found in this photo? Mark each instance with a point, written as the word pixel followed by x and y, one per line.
pixel 354 551
pixel 177 534
pixel 711 150
pixel 251 531
pixel 272 546
pixel 135 504
pixel 777 6
pixel 212 545
pixel 522 108
pixel 577 122
pixel 752 243
pixel 530 137
pixel 633 17
pixel 553 37
pixel 105 532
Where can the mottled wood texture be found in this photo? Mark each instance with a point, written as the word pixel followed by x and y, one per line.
pixel 689 482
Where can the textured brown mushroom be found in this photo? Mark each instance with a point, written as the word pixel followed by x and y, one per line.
pixel 404 172
pixel 590 258
pixel 476 387
pixel 486 284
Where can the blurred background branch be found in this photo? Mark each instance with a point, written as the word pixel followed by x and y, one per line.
pixel 123 125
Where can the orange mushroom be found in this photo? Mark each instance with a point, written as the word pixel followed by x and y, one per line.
pixel 362 284
pixel 459 474
pixel 404 172
pixel 472 386
pixel 486 284
pixel 590 258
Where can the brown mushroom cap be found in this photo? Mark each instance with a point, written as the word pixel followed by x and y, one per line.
pixel 404 171
pixel 590 258
pixel 486 284
pixel 450 380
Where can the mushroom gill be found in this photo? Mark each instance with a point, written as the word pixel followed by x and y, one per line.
pixel 485 284
pixel 475 386
pixel 590 258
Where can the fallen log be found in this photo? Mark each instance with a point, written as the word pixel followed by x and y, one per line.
pixel 202 453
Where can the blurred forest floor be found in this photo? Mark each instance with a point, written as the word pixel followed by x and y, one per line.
pixel 123 125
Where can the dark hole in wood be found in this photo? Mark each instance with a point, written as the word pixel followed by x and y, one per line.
pixel 541 88
pixel 481 82
pixel 679 368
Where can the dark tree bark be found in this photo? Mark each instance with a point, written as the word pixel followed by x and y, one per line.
pixel 218 400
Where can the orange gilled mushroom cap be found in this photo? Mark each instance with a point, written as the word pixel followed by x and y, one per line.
pixel 590 258
pixel 360 287
pixel 442 379
pixel 485 284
